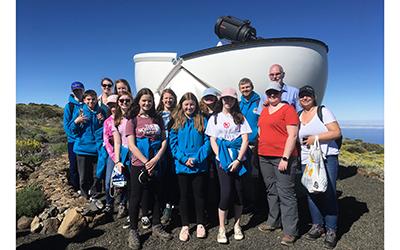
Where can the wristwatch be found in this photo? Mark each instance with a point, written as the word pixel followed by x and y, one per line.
pixel 284 158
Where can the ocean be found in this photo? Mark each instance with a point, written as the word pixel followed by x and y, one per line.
pixel 371 135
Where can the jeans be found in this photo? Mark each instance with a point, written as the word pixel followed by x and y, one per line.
pixel 324 206
pixel 109 199
pixel 73 167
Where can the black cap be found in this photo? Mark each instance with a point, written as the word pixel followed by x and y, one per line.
pixel 306 91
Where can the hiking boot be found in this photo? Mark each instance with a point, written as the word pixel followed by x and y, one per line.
pixel 127 223
pixel 267 228
pixel 159 232
pixel 238 234
pixel 146 223
pixel 288 240
pixel 221 237
pixel 315 232
pixel 122 211
pixel 184 234
pixel 166 217
pixel 330 239
pixel 200 231
pixel 133 239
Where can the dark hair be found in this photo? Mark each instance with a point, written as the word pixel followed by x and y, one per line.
pixel 110 105
pixel 246 80
pixel 179 117
pixel 237 115
pixel 136 108
pixel 125 82
pixel 204 107
pixel 106 79
pixel 118 112
pixel 160 106
pixel 89 92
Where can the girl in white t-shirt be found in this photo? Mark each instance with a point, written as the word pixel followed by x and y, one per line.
pixel 228 131
pixel 323 206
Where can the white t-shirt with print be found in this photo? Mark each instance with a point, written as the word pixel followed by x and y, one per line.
pixel 315 127
pixel 226 128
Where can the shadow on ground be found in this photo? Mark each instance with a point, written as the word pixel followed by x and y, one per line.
pixel 58 241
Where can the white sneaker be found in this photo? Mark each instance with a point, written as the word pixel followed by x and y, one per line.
pixel 238 234
pixel 221 237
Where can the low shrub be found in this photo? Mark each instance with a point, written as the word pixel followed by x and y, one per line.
pixel 30 201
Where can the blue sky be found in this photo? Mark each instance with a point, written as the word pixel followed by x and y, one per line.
pixel 63 41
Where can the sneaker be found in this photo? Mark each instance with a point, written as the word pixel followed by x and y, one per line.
pixel 200 231
pixel 97 203
pixel 159 232
pixel 330 239
pixel 221 237
pixel 127 223
pixel 184 234
pixel 267 228
pixel 238 234
pixel 166 217
pixel 133 239
pixel 108 209
pixel 288 240
pixel 315 232
pixel 122 211
pixel 146 223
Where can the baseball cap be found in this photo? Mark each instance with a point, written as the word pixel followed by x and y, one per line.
pixel 229 92
pixel 273 86
pixel 306 91
pixel 112 98
pixel 210 91
pixel 77 85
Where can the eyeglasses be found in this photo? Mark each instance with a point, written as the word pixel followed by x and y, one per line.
pixel 106 85
pixel 276 74
pixel 124 100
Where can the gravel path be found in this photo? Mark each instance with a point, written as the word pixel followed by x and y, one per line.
pixel 361 226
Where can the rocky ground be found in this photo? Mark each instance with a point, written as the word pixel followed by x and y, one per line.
pixel 361 220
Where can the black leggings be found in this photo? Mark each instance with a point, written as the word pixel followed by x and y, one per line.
pixel 231 187
pixel 136 193
pixel 196 184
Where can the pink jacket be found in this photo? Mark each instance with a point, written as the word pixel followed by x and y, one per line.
pixel 108 136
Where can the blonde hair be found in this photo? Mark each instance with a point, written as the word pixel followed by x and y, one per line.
pixel 179 118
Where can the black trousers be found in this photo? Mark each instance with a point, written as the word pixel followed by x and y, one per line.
pixel 231 188
pixel 87 172
pixel 194 183
pixel 136 193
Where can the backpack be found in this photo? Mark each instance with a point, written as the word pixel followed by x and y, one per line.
pixel 339 140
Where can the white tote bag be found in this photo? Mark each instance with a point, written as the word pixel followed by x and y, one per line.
pixel 314 176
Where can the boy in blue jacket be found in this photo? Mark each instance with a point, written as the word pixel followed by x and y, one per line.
pixel 87 125
pixel 74 103
pixel 248 104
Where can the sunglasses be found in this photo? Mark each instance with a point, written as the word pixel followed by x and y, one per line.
pixel 272 93
pixel 106 85
pixel 124 100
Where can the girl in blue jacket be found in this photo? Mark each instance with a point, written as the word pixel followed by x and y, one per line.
pixel 190 148
pixel 87 125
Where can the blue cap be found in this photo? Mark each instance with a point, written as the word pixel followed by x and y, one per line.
pixel 77 85
pixel 211 91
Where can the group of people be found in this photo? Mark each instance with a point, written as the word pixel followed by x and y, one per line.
pixel 192 149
